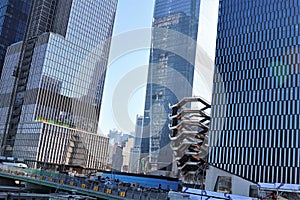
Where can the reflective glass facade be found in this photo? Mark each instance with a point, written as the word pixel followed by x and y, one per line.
pixel 256 99
pixel 59 80
pixel 13 17
pixel 175 25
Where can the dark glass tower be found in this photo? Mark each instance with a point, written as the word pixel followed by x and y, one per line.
pixel 170 75
pixel 50 100
pixel 13 18
pixel 254 131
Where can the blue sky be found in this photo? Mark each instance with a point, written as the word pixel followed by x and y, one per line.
pixel 132 16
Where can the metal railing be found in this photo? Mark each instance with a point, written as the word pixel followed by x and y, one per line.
pixel 81 185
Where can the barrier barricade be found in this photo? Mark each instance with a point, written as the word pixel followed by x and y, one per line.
pixel 122 194
pixel 108 191
pixel 95 188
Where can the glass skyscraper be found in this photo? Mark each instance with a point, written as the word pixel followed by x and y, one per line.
pixel 170 75
pixel 13 18
pixel 254 132
pixel 49 112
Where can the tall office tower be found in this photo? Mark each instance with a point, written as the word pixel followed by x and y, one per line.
pixel 50 102
pixel 170 76
pixel 138 130
pixel 135 152
pixel 13 17
pixel 255 105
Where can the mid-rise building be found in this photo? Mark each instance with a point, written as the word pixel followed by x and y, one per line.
pixel 254 130
pixel 117 159
pixel 13 18
pixel 50 101
pixel 126 153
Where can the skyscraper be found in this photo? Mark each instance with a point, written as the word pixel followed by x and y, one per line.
pixel 13 17
pixel 135 152
pixel 254 132
pixel 50 110
pixel 138 130
pixel 175 27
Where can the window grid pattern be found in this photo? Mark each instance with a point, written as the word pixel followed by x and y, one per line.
pixel 13 17
pixel 180 17
pixel 256 98
pixel 64 83
pixel 41 142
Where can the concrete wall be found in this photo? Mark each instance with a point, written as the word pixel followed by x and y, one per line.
pixel 239 185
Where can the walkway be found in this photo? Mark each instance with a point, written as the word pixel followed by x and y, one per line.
pixel 80 185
